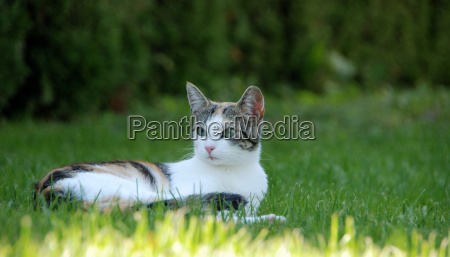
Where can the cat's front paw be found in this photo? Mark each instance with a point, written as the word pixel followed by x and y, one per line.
pixel 272 218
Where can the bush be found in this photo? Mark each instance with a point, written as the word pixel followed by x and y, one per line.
pixel 63 58
pixel 14 24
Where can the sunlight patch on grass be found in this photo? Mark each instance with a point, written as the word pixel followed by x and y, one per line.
pixel 176 235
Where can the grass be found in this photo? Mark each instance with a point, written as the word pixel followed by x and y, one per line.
pixel 374 181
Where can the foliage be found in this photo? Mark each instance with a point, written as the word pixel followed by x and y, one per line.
pixel 14 24
pixel 77 56
pixel 62 59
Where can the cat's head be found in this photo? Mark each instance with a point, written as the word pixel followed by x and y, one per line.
pixel 226 134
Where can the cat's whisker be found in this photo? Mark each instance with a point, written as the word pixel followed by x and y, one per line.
pixel 189 147
pixel 187 156
pixel 266 154
pixel 189 151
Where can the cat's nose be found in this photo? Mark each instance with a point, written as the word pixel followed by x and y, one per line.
pixel 209 149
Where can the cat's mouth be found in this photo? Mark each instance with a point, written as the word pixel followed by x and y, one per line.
pixel 212 158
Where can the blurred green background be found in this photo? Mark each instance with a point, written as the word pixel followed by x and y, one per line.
pixel 60 59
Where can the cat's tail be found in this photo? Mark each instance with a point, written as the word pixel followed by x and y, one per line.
pixel 216 201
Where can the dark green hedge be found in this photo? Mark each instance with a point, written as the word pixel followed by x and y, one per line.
pixel 59 58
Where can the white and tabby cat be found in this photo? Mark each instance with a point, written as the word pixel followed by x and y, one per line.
pixel 224 170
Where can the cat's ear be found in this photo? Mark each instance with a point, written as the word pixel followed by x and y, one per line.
pixel 252 102
pixel 197 100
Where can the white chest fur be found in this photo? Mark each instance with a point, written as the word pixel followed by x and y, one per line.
pixel 195 176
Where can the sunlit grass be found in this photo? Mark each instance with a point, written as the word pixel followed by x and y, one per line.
pixel 96 235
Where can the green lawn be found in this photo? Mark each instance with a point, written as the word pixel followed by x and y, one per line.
pixel 375 180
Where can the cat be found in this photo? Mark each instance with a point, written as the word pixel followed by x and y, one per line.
pixel 224 171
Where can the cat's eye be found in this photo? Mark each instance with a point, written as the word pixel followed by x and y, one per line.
pixel 228 133
pixel 201 131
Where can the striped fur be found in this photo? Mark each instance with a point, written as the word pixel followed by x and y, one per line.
pixel 220 201
pixel 154 174
pixel 126 169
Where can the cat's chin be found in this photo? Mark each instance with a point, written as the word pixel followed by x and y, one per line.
pixel 213 161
